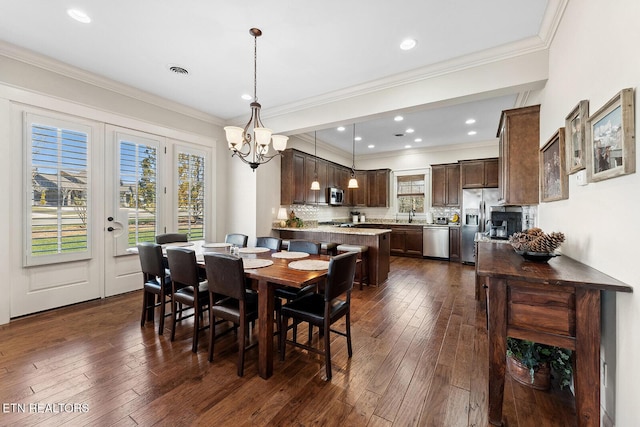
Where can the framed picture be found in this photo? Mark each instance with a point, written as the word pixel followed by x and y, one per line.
pixel 574 125
pixel 554 181
pixel 611 147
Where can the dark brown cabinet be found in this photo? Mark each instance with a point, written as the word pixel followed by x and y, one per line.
pixel 445 185
pixel 519 146
pixel 406 240
pixel 359 195
pixel 378 188
pixel 481 173
pixel 454 244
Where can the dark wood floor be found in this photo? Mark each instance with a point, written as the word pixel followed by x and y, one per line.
pixel 420 358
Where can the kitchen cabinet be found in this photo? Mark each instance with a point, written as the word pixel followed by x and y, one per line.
pixel 445 185
pixel 359 196
pixel 481 173
pixel 406 240
pixel 518 164
pixel 454 244
pixel 378 188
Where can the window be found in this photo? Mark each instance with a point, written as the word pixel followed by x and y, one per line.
pixel 57 179
pixel 138 192
pixel 191 194
pixel 411 193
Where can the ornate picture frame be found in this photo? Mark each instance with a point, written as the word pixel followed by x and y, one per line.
pixel 554 181
pixel 611 145
pixel 575 124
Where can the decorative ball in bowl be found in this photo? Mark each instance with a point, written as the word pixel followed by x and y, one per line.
pixel 535 245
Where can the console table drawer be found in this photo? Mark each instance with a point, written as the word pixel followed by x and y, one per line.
pixel 550 311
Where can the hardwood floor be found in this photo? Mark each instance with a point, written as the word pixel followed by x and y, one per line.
pixel 420 358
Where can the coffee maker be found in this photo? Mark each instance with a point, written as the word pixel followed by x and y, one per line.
pixel 505 220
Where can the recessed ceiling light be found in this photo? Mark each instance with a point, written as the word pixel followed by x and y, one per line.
pixel 471 132
pixel 409 130
pixel 470 121
pixel 398 118
pixel 417 140
pixel 370 146
pixel 407 146
pixel 79 15
pixel 358 138
pixel 341 129
pixel 408 44
pixel 247 97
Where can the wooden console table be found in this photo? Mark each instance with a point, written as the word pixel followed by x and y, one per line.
pixel 555 303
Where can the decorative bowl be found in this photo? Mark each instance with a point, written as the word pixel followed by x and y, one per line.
pixel 537 256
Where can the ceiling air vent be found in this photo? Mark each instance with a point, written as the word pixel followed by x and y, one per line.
pixel 178 70
pixel 399 134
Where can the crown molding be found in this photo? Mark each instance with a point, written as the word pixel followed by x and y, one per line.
pixel 54 66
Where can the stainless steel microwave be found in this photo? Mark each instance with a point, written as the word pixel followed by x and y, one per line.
pixel 335 196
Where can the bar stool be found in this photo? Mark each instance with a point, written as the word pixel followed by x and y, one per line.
pixel 363 255
pixel 329 248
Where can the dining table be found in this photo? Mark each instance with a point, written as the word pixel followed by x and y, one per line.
pixel 278 269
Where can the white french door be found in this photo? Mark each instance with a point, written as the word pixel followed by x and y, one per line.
pixel 134 205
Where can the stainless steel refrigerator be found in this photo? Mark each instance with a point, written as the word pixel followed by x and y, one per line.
pixel 476 205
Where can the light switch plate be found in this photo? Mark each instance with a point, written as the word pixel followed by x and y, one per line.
pixel 581 177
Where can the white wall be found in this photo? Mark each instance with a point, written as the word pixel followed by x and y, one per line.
pixel 593 56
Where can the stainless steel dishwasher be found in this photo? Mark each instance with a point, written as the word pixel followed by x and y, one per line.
pixel 435 241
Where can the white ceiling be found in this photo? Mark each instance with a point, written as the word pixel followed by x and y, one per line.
pixel 309 50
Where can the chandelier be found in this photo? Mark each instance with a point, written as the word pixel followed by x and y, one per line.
pixel 251 143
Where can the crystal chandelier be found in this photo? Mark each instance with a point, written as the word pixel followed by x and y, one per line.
pixel 251 143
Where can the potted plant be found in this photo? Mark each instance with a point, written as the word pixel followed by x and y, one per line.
pixel 531 363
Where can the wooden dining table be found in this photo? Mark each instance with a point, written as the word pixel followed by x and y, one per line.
pixel 267 279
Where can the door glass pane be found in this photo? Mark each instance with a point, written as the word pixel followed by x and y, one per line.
pixel 58 226
pixel 191 195
pixel 138 190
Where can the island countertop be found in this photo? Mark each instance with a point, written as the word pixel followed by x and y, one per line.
pixel 338 230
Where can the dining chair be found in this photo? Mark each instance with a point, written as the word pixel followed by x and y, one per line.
pixel 240 240
pixel 273 243
pixel 307 246
pixel 188 290
pixel 162 239
pixel 231 300
pixel 323 310
pixel 156 283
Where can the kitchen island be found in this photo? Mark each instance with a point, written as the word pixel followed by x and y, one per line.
pixel 377 240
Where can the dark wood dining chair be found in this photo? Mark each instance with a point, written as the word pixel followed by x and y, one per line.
pixel 240 240
pixel 289 293
pixel 231 300
pixel 307 246
pixel 323 310
pixel 162 239
pixel 156 283
pixel 273 243
pixel 188 290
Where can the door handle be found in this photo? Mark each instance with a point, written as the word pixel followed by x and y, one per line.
pixel 110 228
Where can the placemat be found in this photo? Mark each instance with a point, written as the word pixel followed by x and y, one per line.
pixel 290 255
pixel 216 245
pixel 250 263
pixel 309 264
pixel 253 250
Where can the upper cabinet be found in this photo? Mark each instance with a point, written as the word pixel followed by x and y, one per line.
pixel 378 188
pixel 481 173
pixel 445 185
pixel 298 170
pixel 519 146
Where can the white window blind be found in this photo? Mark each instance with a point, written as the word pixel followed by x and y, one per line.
pixel 191 194
pixel 57 179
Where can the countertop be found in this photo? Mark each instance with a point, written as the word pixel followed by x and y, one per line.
pixel 338 230
pixel 481 237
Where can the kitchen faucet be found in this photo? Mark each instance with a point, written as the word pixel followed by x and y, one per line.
pixel 412 213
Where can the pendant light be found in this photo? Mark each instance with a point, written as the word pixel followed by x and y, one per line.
pixel 353 182
pixel 315 185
